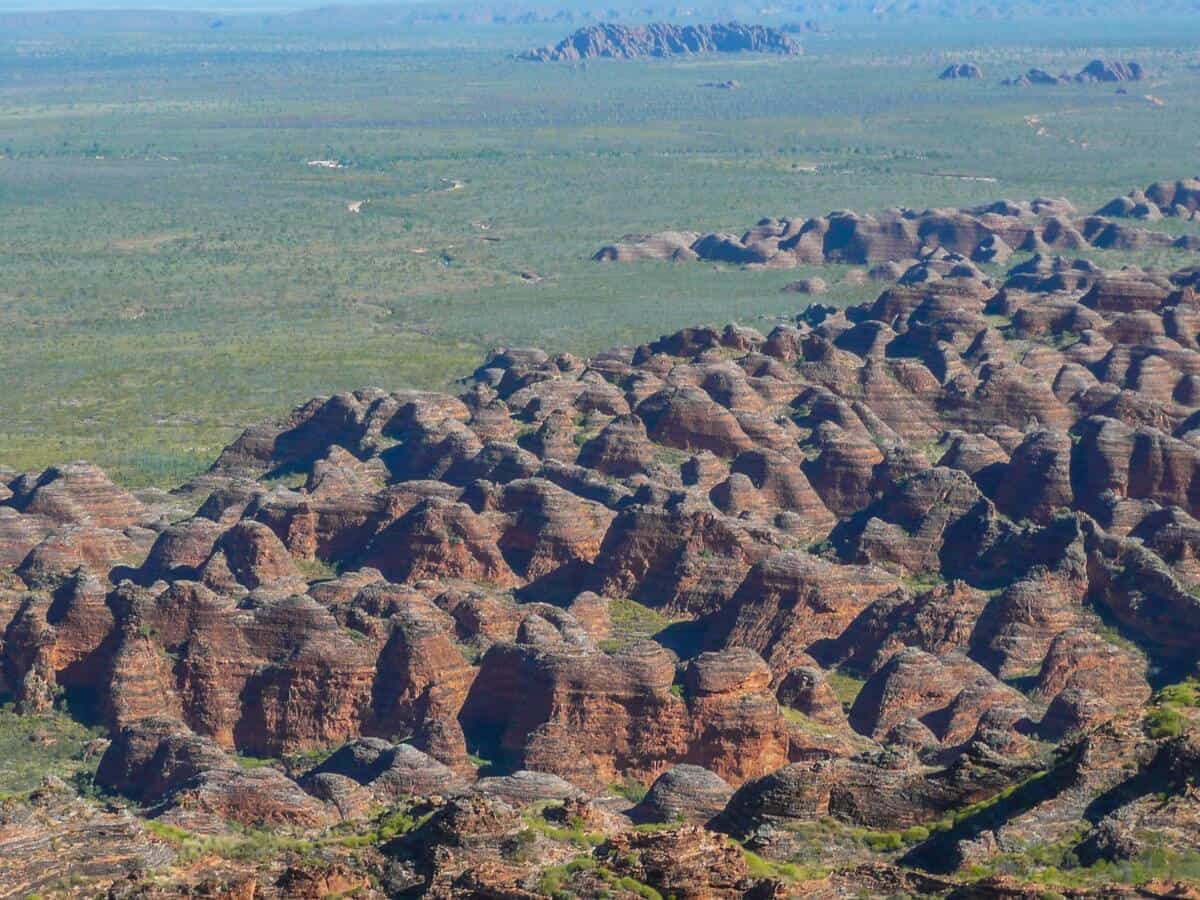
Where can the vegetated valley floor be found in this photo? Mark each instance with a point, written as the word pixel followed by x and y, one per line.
pixel 173 268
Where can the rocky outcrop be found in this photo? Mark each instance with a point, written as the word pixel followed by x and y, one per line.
pixel 56 837
pixel 956 71
pixel 688 863
pixel 949 695
pixel 1087 681
pixel 873 789
pixel 791 603
pixel 1180 198
pixel 158 761
pixel 909 246
pixel 1111 70
pixel 684 792
pixel 1036 76
pixel 77 494
pixel 388 771
pixel 588 716
pixel 1098 70
pixel 611 41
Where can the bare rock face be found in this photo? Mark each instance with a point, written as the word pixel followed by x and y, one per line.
pixel 551 529
pixel 79 494
pixel 621 449
pixel 806 689
pixel 523 787
pixel 67 517
pixel 19 534
pixel 180 551
pixel 684 792
pixel 940 620
pixel 578 712
pixel 1037 481
pixel 686 863
pixel 1106 451
pixel 1087 681
pixel 1016 629
pixel 688 419
pixel 791 602
pixel 244 676
pixel 949 695
pixel 680 557
pixel 844 474
pixel 251 556
pixel 622 42
pixel 159 761
pixel 71 547
pixel 867 789
pixel 59 641
pixel 387 771
pixel 58 836
pixel 731 706
pixel 439 539
pixel 782 486
pixel 910 526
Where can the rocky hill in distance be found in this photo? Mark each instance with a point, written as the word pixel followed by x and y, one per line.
pixel 961 71
pixel 610 41
pixel 1102 71
pixel 1178 199
pixel 893 240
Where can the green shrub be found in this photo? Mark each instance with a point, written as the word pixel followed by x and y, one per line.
pixel 634 886
pixel 631 622
pixel 1164 722
pixel 630 788
pixel 389 825
pixel 316 569
pixel 254 762
pixel 169 833
pixel 1186 693
pixel 883 841
pixel 785 871
pixel 553 880
pixel 846 685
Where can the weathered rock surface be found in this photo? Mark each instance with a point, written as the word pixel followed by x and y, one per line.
pixel 158 761
pixel 687 792
pixel 612 41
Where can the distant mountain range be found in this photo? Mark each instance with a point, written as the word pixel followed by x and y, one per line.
pixel 281 15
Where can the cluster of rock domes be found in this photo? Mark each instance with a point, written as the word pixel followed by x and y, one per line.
pixel 954 493
pixel 893 239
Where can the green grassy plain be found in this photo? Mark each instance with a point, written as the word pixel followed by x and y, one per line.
pixel 172 269
pixel 34 746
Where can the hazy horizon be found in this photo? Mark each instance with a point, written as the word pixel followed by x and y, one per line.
pixel 243 6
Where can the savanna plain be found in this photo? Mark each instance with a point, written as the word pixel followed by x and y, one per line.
pixel 174 269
